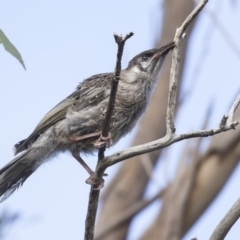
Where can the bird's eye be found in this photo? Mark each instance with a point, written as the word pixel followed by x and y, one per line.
pixel 144 57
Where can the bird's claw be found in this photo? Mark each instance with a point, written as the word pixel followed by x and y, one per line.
pixel 91 181
pixel 103 141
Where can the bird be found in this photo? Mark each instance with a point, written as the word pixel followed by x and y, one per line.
pixel 75 124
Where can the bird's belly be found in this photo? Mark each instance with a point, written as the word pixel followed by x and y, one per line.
pixel 83 123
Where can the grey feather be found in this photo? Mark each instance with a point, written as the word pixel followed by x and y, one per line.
pixel 83 113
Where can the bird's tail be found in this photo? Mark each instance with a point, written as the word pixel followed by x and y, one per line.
pixel 15 173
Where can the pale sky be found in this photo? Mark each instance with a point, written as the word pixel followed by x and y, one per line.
pixel 64 42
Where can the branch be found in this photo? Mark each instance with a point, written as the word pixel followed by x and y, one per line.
pixel 180 32
pixel 165 141
pixel 233 110
pixel 170 137
pixel 120 42
pixel 94 193
pixel 227 222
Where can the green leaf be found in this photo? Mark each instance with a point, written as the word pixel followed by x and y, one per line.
pixel 10 48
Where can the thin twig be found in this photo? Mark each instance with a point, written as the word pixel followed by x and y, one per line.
pixel 180 32
pixel 233 110
pixel 120 42
pixel 171 137
pixel 227 222
pixel 160 143
pixel 225 125
pixel 94 193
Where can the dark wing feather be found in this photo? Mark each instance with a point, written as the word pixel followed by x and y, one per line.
pixel 90 92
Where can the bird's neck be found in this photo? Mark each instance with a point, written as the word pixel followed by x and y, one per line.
pixel 137 82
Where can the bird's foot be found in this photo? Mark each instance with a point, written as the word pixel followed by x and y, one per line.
pixel 99 184
pixel 92 180
pixel 103 141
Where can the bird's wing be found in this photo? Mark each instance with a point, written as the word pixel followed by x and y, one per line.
pixel 90 92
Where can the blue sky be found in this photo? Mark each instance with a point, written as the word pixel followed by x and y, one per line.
pixel 64 42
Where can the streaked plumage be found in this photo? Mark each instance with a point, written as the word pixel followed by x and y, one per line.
pixel 83 113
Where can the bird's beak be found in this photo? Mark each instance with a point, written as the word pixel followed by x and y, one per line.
pixel 164 50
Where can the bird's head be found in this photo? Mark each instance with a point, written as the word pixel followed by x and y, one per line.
pixel 149 62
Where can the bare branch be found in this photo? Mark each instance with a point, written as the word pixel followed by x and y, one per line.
pixel 161 143
pixel 233 110
pixel 227 222
pixel 129 172
pixel 189 19
pixel 170 137
pixel 120 41
pixel 94 193
pixel 180 33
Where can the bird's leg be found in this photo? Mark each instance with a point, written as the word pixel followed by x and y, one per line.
pixel 103 141
pixel 76 155
pixel 76 138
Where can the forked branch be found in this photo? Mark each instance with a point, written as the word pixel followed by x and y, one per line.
pixel 171 137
